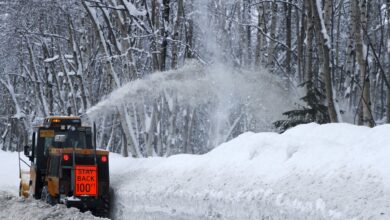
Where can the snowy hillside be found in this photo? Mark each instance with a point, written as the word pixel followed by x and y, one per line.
pixel 334 171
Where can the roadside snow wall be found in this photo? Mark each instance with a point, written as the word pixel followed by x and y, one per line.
pixel 334 171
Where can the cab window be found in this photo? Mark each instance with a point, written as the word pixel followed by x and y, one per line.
pixel 70 139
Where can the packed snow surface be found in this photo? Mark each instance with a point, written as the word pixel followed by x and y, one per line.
pixel 333 171
pixel 12 207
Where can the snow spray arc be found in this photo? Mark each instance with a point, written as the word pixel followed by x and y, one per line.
pixel 227 102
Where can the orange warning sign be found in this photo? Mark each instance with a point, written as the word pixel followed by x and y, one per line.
pixel 85 180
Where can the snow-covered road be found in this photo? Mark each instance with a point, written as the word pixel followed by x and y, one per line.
pixel 334 171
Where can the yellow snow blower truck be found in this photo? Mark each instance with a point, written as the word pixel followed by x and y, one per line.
pixel 66 167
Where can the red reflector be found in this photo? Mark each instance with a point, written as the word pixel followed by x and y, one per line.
pixel 66 157
pixel 104 158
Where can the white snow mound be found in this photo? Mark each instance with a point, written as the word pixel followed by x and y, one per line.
pixel 13 208
pixel 9 171
pixel 333 171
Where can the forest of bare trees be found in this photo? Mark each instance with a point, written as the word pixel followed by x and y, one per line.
pixel 63 57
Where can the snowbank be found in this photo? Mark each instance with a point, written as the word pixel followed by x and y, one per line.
pixel 334 171
pixel 9 172
pixel 12 207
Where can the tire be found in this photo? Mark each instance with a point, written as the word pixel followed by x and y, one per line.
pixel 46 197
pixel 105 209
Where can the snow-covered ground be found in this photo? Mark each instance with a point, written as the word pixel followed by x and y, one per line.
pixel 9 172
pixel 334 171
pixel 16 208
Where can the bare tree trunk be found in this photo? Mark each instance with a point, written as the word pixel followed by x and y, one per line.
pixel 176 33
pixel 248 31
pixel 190 33
pixel 165 31
pixel 309 43
pixel 49 87
pixel 271 47
pixel 337 51
pixel 155 26
pixel 300 29
pixel 241 33
pixel 360 21
pixel 259 37
pixel 324 45
pixel 288 38
pixel 388 57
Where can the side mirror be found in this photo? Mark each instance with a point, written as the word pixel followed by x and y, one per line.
pixel 26 151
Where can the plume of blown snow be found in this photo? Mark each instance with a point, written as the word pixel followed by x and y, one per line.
pixel 257 93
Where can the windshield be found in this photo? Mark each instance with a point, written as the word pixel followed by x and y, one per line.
pixel 67 139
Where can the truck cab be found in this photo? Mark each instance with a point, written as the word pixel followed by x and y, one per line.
pixel 66 167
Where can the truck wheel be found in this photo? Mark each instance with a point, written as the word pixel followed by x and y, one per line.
pixel 46 197
pixel 104 209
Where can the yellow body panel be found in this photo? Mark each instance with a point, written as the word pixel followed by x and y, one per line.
pixel 24 189
pixel 60 151
pixel 53 185
pixel 46 133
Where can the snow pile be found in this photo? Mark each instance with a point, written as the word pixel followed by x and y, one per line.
pixel 9 172
pixel 12 207
pixel 334 171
